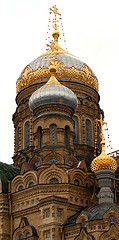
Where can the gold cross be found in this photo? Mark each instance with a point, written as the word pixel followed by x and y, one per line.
pixel 54 10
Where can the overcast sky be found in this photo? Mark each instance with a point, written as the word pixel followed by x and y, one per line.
pixel 92 35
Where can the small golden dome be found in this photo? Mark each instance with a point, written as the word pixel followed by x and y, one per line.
pixel 103 161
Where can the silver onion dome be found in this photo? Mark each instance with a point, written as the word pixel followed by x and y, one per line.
pixel 53 93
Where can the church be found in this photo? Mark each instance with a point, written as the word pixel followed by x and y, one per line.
pixel 61 185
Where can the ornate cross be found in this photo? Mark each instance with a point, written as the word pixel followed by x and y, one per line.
pixel 54 10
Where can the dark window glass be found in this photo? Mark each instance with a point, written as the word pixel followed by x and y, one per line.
pixel 71 199
pixel 37 164
pixel 20 188
pixel 76 182
pixel 76 138
pixel 53 160
pixel 53 135
pixel 69 163
pixel 48 213
pixel 66 136
pixel 88 133
pixel 59 213
pixel 20 236
pixel 31 184
pixel 53 181
pixel 86 202
pixel 27 129
pixel 40 137
pixel 48 235
pixel 28 235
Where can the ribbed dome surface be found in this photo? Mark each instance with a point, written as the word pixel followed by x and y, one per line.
pixel 69 68
pixel 67 59
pixel 103 161
pixel 53 94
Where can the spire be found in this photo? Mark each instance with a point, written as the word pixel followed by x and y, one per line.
pixel 103 161
pixel 104 167
pixel 55 22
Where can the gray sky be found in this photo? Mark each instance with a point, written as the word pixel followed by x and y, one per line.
pixel 92 35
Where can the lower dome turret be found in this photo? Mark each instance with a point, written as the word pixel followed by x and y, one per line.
pixel 54 95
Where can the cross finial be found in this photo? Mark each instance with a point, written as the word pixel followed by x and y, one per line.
pixel 54 10
pixel 102 134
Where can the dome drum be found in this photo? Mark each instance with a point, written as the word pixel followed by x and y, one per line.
pixel 53 109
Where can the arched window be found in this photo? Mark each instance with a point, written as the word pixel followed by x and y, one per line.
pixel 53 134
pixel 54 181
pixel 66 136
pixel 88 133
pixel 69 163
pixel 20 188
pixel 31 184
pixel 20 237
pixel 37 164
pixel 18 139
pixel 40 137
pixel 112 220
pixel 27 130
pixel 28 235
pixel 76 137
pixel 76 182
pixel 53 160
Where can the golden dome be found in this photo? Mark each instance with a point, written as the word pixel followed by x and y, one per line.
pixel 103 161
pixel 69 68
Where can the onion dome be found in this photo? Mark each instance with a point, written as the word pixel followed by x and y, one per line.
pixel 103 161
pixel 54 95
pixel 69 68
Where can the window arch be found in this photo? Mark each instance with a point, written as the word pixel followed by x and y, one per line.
pixel 66 136
pixel 40 137
pixel 54 181
pixel 27 130
pixel 76 137
pixel 53 134
pixel 88 133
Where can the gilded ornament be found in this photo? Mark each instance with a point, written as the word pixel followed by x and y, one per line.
pixel 103 161
pixel 83 75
